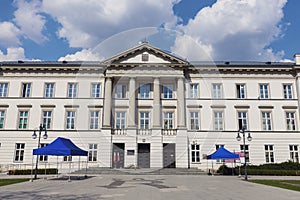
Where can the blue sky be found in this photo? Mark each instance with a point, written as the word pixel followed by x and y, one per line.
pixel 236 30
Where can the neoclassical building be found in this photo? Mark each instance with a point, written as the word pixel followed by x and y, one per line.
pixel 150 109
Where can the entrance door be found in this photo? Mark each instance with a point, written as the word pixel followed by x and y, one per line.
pixel 118 155
pixel 169 155
pixel 144 155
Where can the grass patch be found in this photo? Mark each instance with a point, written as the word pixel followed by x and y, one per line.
pixel 286 184
pixel 4 182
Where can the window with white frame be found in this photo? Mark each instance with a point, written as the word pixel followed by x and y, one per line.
pixel 217 147
pixel 195 153
pixel 218 121
pixel 269 153
pixel 194 119
pixel 266 121
pixel 3 89
pixel 94 119
pixel 168 91
pixel 168 120
pixel 242 118
pixel 70 120
pixel 19 152
pixel 47 118
pixel 49 90
pixel 41 157
pixel 247 157
pixel 217 91
pixel 93 151
pixel 241 91
pixel 194 90
pixel 263 91
pixel 67 158
pixel 26 89
pixel 72 90
pixel 144 120
pixel 287 91
pixel 2 118
pixel 294 153
pixel 290 121
pixel 120 120
pixel 120 91
pixel 23 119
pixel 96 90
pixel 145 91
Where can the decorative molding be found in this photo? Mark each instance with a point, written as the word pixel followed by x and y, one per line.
pixel 95 106
pixel 169 107
pixel 4 106
pixel 48 106
pixel 218 106
pixel 145 106
pixel 194 106
pixel 71 106
pixel 24 106
pixel 266 107
pixel 290 107
pixel 241 106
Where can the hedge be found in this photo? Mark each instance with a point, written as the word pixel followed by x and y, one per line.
pixel 30 171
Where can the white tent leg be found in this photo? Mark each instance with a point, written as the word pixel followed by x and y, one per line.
pixel 69 171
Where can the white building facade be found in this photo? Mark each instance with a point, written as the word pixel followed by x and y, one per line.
pixel 146 108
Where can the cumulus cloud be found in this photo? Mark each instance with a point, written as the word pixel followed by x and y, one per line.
pixel 12 54
pixel 236 30
pixel 83 55
pixel 9 34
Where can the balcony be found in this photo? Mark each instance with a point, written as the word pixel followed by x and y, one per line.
pixel 169 132
pixel 118 131
pixel 143 132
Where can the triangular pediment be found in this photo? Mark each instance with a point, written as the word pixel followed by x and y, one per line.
pixel 145 54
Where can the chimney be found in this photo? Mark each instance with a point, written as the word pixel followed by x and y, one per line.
pixel 297 59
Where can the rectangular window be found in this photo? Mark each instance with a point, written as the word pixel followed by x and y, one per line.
pixel 70 120
pixel 145 91
pixel 194 91
pixel 218 121
pixel 269 153
pixel 195 153
pixel 194 117
pixel 217 91
pixel 93 148
pixel 168 91
pixel 266 121
pixel 168 120
pixel 241 91
pixel 2 118
pixel 47 118
pixel 3 89
pixel 43 158
pixel 96 90
pixel 144 120
pixel 246 152
pixel 23 119
pixel 72 90
pixel 217 147
pixel 19 152
pixel 49 90
pixel 120 120
pixel 294 153
pixel 121 91
pixel 242 120
pixel 287 91
pixel 67 158
pixel 26 89
pixel 290 121
pixel 94 119
pixel 263 91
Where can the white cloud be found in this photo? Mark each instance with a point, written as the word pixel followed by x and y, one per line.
pixel 9 34
pixel 29 19
pixel 86 23
pixel 237 30
pixel 12 54
pixel 84 55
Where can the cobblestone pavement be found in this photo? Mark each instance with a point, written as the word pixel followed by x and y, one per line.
pixel 156 187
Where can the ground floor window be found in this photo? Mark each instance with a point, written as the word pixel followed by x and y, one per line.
pixel 195 153
pixel 294 153
pixel 247 157
pixel 67 158
pixel 19 152
pixel 43 158
pixel 269 153
pixel 93 152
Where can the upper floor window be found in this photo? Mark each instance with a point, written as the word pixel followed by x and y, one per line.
pixel 3 89
pixel 121 91
pixel 96 88
pixel 194 90
pixel 242 120
pixel 168 120
pixel 94 119
pixel 145 91
pixel 120 120
pixel 144 120
pixel 290 121
pixel 47 118
pixel 168 91
pixel 70 120
pixel 72 90
pixel 266 121
pixel 26 89
pixel 218 121
pixel 241 91
pixel 194 117
pixel 49 90
pixel 217 91
pixel 23 120
pixel 287 91
pixel 263 91
pixel 2 118
pixel 19 152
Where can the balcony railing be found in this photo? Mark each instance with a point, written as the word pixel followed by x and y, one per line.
pixel 144 132
pixel 118 131
pixel 168 132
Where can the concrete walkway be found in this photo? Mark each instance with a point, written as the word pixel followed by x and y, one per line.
pixel 175 187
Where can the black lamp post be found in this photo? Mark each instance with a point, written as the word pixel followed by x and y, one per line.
pixel 34 136
pixel 249 138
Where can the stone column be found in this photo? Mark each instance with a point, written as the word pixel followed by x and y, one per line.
pixel 180 104
pixel 107 103
pixel 132 109
pixel 156 105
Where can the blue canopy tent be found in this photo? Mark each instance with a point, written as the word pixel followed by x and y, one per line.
pixel 222 153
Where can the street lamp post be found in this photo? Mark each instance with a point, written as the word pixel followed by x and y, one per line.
pixel 34 136
pixel 249 138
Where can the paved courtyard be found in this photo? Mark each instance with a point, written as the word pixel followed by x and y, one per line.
pixel 145 187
